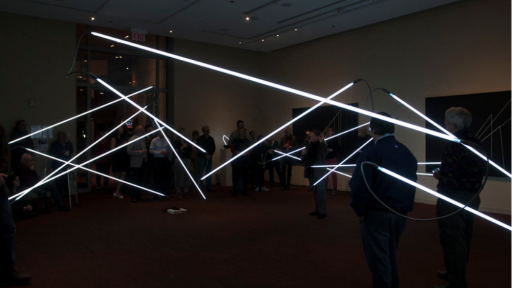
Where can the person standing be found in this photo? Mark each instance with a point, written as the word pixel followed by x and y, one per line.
pixel 314 154
pixel 62 149
pixel 241 165
pixel 138 159
pixel 204 161
pixel 20 130
pixel 161 152
pixel 102 164
pixel 183 149
pixel 120 159
pixel 332 159
pixel 460 178
pixel 288 143
pixel 381 228
pixel 274 164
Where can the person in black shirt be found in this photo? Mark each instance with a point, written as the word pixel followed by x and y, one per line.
pixel 241 165
pixel 183 149
pixel 204 160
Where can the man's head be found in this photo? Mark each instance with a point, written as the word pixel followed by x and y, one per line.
pixel 253 135
pixel 139 130
pixel 288 131
pixel 195 134
pixel 380 127
pixel 329 132
pixel 314 135
pixel 61 137
pixel 206 130
pixel 240 124
pixel 21 125
pixel 457 118
pixel 308 135
pixel 27 160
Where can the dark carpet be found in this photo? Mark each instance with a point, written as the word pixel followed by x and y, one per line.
pixel 264 240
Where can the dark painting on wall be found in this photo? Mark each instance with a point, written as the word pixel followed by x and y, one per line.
pixel 328 116
pixel 491 124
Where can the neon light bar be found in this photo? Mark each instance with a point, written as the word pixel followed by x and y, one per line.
pixel 332 166
pixel 285 154
pixel 278 129
pixel 149 114
pixel 223 139
pixel 182 164
pixel 284 88
pixel 425 174
pixel 485 158
pixel 347 131
pixel 96 172
pixel 420 114
pixel 429 163
pixel 44 180
pixel 289 153
pixel 371 139
pixel 74 117
pixel 332 170
pixel 444 197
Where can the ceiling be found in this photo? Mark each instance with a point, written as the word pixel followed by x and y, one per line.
pixel 223 22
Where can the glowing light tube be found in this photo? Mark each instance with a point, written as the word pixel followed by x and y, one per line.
pixel 347 175
pixel 332 166
pixel 334 136
pixel 284 88
pixel 224 137
pixel 96 172
pixel 429 163
pixel 149 114
pixel 285 154
pixel 444 198
pixel 74 117
pixel 278 129
pixel 425 174
pixel 45 179
pixel 370 140
pixel 420 114
pixel 450 134
pixel 182 164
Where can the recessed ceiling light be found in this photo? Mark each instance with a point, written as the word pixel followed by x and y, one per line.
pixel 277 35
pixel 112 46
pixel 296 29
pixel 262 40
pixel 127 68
pixel 247 18
pixel 85 61
pixel 101 93
pixel 170 31
pixel 239 42
pixel 92 18
pixel 117 57
pixel 127 36
pixel 120 56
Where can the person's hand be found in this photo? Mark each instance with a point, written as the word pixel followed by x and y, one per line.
pixel 144 151
pixel 304 151
pixel 436 175
pixel 164 152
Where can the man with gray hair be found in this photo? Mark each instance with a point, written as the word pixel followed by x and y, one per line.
pixel 460 178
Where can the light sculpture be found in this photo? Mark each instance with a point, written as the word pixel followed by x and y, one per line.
pixel 450 134
pixel 45 179
pixel 287 154
pixel 334 136
pixel 281 87
pixel 149 114
pixel 366 143
pixel 224 137
pixel 80 115
pixel 182 164
pixel 469 209
pixel 96 172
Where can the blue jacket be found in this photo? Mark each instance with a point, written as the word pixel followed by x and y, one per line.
pixel 398 195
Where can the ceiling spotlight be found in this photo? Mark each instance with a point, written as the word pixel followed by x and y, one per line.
pixel 277 35
pixel 101 93
pixel 120 56
pixel 262 40
pixel 127 36
pixel 239 42
pixel 170 31
pixel 127 68
pixel 112 46
pixel 92 18
pixel 85 61
pixel 296 29
pixel 117 57
pixel 247 18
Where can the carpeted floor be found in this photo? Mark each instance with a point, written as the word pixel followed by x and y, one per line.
pixel 264 240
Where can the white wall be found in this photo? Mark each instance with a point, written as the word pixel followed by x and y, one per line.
pixel 36 54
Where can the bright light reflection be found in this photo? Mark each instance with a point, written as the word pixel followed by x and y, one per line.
pixel 444 197
pixel 288 154
pixel 334 136
pixel 96 172
pixel 285 154
pixel 77 116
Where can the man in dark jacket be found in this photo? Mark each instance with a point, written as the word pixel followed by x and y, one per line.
pixel 314 154
pixel 460 178
pixel 204 160
pixel 381 228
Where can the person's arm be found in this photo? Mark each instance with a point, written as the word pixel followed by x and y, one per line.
pixel 358 190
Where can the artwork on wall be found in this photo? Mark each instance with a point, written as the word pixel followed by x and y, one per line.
pixel 491 125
